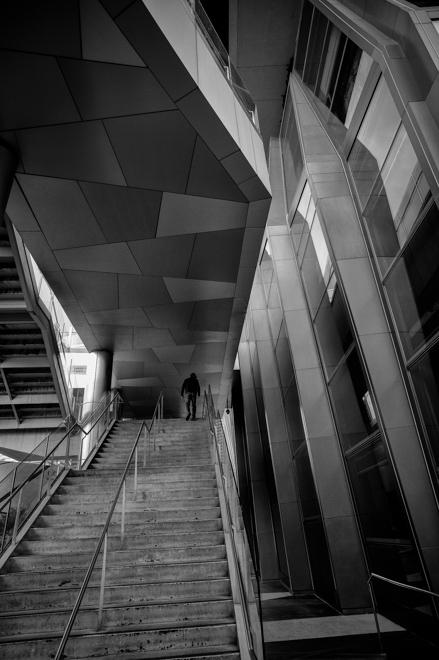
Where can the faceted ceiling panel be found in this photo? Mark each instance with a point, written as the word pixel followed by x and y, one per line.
pixel 131 194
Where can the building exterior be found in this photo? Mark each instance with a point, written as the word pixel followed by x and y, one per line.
pixel 338 358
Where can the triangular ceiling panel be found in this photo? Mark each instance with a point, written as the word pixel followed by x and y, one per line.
pixel 208 178
pixel 101 38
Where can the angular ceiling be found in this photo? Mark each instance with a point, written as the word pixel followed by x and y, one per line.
pixel 134 199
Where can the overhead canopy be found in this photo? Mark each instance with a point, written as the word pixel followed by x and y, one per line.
pixel 141 190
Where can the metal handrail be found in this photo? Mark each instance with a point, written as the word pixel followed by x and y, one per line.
pixel 396 584
pixel 208 405
pixel 103 539
pixel 41 466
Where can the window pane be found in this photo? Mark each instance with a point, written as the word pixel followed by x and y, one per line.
pixel 425 375
pixel 290 150
pixel 349 394
pixel 413 285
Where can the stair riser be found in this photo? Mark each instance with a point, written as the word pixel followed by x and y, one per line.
pixel 138 574
pixel 54 546
pixel 93 531
pixel 164 555
pixel 154 640
pixel 114 617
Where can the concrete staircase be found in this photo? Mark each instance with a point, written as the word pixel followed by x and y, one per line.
pixel 168 592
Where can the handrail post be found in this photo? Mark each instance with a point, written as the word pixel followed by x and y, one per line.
pixel 67 457
pixel 144 446
pixel 9 509
pixel 375 615
pixel 103 572
pixel 80 451
pixel 17 516
pixel 135 474
pixel 122 528
pixel 43 465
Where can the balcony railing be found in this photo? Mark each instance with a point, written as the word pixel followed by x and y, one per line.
pixel 222 58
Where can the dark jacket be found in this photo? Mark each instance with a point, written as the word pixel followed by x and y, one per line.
pixel 190 385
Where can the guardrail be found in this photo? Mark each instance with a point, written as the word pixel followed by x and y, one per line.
pixel 375 576
pixel 22 490
pixel 103 539
pixel 223 60
pixel 240 565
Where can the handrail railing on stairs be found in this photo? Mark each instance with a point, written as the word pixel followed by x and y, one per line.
pixel 375 576
pixel 30 482
pixel 103 539
pixel 240 556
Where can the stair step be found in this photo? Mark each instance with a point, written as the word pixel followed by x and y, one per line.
pixel 95 644
pixel 55 515
pixel 144 541
pixel 147 556
pixel 114 616
pixel 98 480
pixel 170 502
pixel 152 475
pixel 173 490
pixel 122 574
pixel 93 531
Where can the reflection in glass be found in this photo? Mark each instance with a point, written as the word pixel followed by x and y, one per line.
pixel 413 285
pixel 333 329
pixel 390 184
pixel 316 541
pixel 290 150
pixel 318 273
pixel 425 376
pixel 386 531
pixel 349 393
pixel 333 68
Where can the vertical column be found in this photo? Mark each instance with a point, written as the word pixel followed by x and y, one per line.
pixel 348 564
pixel 259 492
pixel 289 509
pixel 97 387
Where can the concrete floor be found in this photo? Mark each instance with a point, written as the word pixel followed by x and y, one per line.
pixel 297 627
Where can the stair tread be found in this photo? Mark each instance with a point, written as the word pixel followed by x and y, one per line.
pixel 114 630
pixel 117 605
pixel 116 584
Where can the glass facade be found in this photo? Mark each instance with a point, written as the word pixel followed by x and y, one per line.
pixel 333 68
pixel 399 219
pixel 387 535
pixel 290 149
pixel 391 187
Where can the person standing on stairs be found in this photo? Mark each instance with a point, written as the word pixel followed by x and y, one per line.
pixel 189 391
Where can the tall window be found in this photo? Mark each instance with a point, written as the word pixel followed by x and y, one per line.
pixel 333 68
pixel 390 183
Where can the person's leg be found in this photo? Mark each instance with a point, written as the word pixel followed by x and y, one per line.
pixel 188 404
pixel 194 406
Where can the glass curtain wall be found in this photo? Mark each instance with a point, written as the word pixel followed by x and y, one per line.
pixel 383 519
pixel 317 546
pixel 333 68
